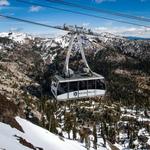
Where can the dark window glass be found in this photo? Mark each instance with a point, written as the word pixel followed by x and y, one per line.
pixel 82 85
pixel 91 84
pixel 62 88
pixel 73 86
pixel 100 84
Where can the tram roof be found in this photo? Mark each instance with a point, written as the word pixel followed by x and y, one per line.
pixel 79 77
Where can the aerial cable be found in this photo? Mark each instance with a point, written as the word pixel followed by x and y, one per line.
pixel 85 14
pixel 63 28
pixel 57 27
pixel 28 21
pixel 139 18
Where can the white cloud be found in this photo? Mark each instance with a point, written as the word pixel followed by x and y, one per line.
pixel 35 8
pixel 86 24
pixel 4 3
pixel 126 31
pixel 101 1
pixel 16 29
pixel 51 34
pixel 1 18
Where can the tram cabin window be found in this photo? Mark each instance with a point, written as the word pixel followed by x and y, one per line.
pixel 62 88
pixel 100 84
pixel 91 84
pixel 82 85
pixel 73 86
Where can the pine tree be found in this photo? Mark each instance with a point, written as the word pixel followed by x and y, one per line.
pixel 131 141
pixel 74 132
pixel 53 125
pixel 68 123
pixel 95 136
pixel 74 128
pixel 103 132
pixel 87 142
pixel 103 136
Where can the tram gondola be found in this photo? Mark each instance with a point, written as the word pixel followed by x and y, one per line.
pixel 71 85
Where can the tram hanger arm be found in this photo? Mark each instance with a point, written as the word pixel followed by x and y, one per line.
pixel 66 68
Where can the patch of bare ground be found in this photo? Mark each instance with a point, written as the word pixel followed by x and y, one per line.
pixel 8 111
pixel 27 144
pixel 12 122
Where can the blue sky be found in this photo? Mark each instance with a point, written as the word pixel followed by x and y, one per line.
pixel 56 17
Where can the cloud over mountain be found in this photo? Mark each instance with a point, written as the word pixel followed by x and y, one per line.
pixel 4 3
pixel 35 8
pixel 101 1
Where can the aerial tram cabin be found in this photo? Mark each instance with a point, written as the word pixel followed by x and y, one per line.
pixel 70 85
pixel 78 87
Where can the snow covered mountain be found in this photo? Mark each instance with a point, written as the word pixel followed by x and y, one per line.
pixel 16 36
pixel 33 137
pixel 137 48
pixel 24 79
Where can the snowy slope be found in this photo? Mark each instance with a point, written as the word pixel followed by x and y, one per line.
pixel 35 135
pixel 16 36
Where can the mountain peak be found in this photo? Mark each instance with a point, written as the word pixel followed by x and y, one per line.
pixel 16 36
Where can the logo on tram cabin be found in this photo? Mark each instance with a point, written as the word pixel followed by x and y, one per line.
pixel 75 93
